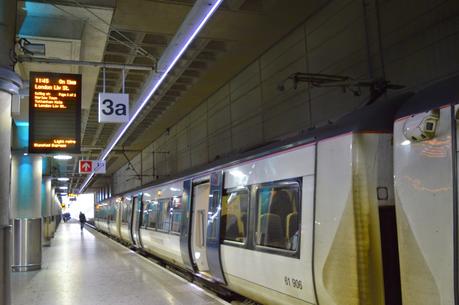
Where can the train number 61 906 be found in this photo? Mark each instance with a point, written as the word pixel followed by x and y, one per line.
pixel 293 283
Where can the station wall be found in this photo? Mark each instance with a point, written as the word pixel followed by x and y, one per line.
pixel 410 42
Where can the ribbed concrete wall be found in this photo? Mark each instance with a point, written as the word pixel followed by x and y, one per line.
pixel 420 43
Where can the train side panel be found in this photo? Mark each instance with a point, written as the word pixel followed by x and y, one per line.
pixel 266 268
pixel 347 253
pixel 162 244
pixel 425 212
pixel 160 225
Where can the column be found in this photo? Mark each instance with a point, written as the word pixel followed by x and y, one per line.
pixel 46 201
pixel 10 84
pixel 26 184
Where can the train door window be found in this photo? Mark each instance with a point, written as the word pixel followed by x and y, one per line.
pixel 234 215
pixel 164 219
pixel 124 215
pixel 153 210
pixel 109 212
pixel 176 214
pixel 278 210
pixel 146 214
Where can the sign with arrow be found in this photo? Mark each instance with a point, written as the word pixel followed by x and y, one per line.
pixel 85 166
pixel 92 166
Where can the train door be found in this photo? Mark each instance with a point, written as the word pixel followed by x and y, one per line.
pixel 213 242
pixel 200 205
pixel 136 221
pixel 185 227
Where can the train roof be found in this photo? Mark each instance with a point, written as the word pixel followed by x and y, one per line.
pixel 377 117
pixel 435 96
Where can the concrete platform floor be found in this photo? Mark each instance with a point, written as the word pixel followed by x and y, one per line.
pixel 90 269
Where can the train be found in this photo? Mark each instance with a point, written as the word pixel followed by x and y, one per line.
pixel 359 212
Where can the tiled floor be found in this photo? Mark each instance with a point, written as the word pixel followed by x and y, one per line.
pixel 89 269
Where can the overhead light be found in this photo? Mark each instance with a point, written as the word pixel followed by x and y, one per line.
pixel 26 154
pixel 62 157
pixel 63 179
pixel 406 142
pixel 64 187
pixel 147 194
pixel 169 64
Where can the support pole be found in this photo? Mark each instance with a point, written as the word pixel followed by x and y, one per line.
pixel 10 84
pixel 5 228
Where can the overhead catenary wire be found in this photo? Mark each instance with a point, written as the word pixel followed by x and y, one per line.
pixel 111 27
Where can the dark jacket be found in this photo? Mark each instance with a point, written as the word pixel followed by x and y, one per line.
pixel 82 217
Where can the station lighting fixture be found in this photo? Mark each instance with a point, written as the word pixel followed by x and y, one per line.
pixel 64 187
pixel 202 12
pixel 63 179
pixel 62 157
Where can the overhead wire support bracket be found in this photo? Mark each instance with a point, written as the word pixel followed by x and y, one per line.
pixel 377 87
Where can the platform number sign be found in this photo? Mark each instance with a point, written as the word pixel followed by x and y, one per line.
pixel 113 107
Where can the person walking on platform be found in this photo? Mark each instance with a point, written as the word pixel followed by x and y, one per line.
pixel 82 220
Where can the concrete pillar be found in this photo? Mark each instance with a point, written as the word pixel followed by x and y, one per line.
pixel 52 218
pixel 5 231
pixel 10 84
pixel 26 184
pixel 46 201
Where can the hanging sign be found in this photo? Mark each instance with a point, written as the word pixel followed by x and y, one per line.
pixel 98 166
pixel 85 166
pixel 113 107
pixel 92 166
pixel 54 113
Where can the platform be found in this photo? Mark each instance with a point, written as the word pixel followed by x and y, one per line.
pixel 88 268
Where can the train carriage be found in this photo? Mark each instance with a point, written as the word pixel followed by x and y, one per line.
pixel 316 219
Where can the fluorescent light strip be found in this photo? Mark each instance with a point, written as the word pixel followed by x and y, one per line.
pixel 163 76
pixel 155 87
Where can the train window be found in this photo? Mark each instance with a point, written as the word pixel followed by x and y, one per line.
pixel 145 220
pixel 152 209
pixel 234 215
pixel 126 211
pixel 176 214
pixel 278 210
pixel 164 219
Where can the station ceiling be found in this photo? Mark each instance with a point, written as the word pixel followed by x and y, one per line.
pixel 137 32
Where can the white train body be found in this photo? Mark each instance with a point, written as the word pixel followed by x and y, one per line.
pixel 314 221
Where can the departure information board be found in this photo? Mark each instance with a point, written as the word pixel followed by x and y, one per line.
pixel 54 113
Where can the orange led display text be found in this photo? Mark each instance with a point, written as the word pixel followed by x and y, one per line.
pixel 54 112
